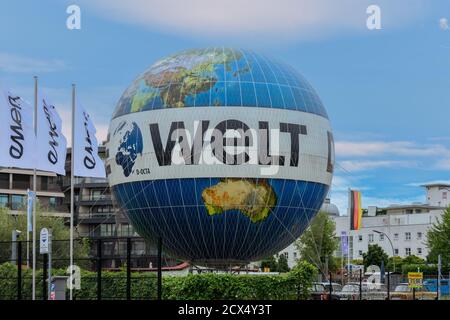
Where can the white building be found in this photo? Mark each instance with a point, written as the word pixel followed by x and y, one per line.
pixel 401 230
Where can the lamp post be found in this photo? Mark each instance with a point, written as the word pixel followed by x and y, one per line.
pixel 392 246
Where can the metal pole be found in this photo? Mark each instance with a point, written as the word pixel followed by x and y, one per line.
pixel 99 269
pixel 50 253
pixel 33 284
pixel 331 287
pixel 159 268
pixel 44 277
pixel 414 293
pixel 128 268
pixel 72 192
pixel 19 270
pixel 439 275
pixel 388 285
pixel 360 284
pixel 348 240
pixel 437 288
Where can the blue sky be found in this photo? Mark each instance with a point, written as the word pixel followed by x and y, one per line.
pixel 387 91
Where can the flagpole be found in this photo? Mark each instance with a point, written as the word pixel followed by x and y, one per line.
pixel 72 167
pixel 349 271
pixel 28 229
pixel 34 193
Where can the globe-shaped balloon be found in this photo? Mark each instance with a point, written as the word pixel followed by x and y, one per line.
pixel 225 154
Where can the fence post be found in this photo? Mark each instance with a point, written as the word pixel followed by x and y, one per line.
pixel 331 287
pixel 388 285
pixel 128 268
pixel 44 277
pixel 437 287
pixel 99 269
pixel 159 268
pixel 19 270
pixel 360 284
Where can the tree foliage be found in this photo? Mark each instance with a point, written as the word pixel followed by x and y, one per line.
pixel 318 243
pixel 374 256
pixel 60 236
pixel 439 240
pixel 290 286
pixel 283 264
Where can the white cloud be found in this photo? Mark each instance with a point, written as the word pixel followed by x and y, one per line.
pixel 364 165
pixel 399 148
pixel 359 155
pixel 285 18
pixel 20 64
pixel 339 194
pixel 443 24
pixel 419 184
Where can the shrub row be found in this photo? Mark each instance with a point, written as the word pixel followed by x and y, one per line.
pixel 293 285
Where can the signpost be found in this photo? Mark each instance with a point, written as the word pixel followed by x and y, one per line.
pixel 415 280
pixel 45 248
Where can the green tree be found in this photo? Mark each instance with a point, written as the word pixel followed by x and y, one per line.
pixel 303 275
pixel 374 255
pixel 60 236
pixel 271 263
pixel 318 243
pixel 439 240
pixel 283 264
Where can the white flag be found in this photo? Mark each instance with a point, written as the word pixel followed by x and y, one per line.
pixel 17 138
pixel 85 147
pixel 52 145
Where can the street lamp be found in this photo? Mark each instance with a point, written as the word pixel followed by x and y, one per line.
pixel 392 246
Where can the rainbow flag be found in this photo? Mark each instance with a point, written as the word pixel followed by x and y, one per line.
pixel 355 209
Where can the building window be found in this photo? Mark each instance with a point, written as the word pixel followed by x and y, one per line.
pixel 419 235
pixel 21 182
pixel 17 202
pixel 360 238
pixel 381 237
pixel 418 210
pixel 3 200
pixel 407 236
pixel 295 255
pixel 395 252
pixel 4 181
pixel 395 236
pixel 371 237
pixel 107 230
pixel 52 203
pixel 407 251
pixel 419 251
pixel 360 253
pixel 96 194
pixel 409 211
pixel 444 195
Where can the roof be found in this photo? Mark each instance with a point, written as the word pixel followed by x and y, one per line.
pixel 412 206
pixel 436 184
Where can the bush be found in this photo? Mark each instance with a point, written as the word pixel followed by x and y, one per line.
pixel 293 285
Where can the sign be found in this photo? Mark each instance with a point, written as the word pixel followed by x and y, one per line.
pixel 44 241
pixel 52 292
pixel 220 142
pixel 415 280
pixel 344 243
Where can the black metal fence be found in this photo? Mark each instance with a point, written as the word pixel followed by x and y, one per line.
pixel 389 286
pixel 110 268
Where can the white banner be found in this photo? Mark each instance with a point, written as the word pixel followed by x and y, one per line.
pixel 205 142
pixel 52 145
pixel 17 138
pixel 85 147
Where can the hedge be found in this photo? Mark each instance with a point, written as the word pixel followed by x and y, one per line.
pixel 293 285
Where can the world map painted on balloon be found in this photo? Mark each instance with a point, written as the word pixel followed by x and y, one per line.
pixel 219 77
